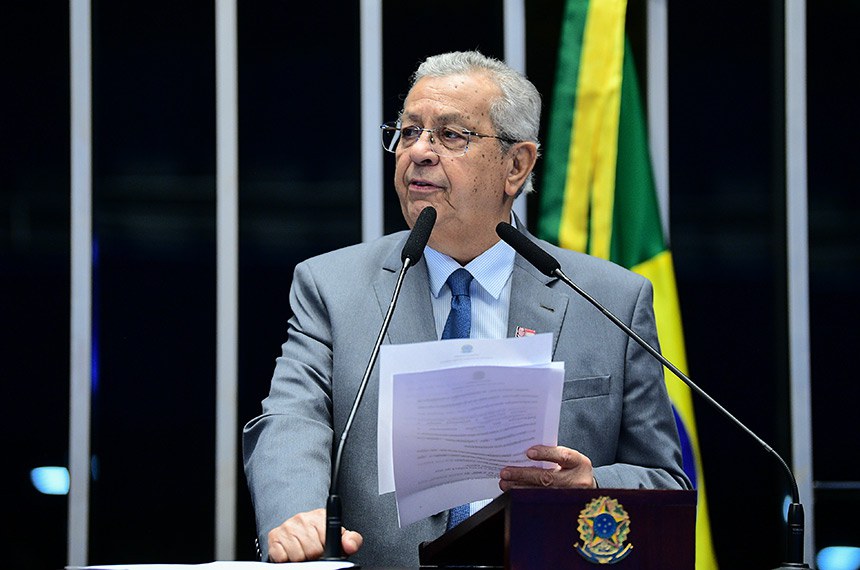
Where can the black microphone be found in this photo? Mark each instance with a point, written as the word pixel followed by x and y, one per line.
pixel 547 264
pixel 413 249
pixel 411 255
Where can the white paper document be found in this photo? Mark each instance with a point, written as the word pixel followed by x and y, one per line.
pixel 455 429
pixel 494 398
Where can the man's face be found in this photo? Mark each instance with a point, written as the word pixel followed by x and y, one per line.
pixel 471 193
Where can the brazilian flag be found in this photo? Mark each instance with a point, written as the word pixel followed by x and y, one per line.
pixel 599 197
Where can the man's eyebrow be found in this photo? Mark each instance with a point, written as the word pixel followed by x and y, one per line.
pixel 439 119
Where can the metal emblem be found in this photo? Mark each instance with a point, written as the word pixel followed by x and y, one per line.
pixel 603 528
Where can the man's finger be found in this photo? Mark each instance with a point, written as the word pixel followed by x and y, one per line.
pixel 277 552
pixel 351 541
pixel 285 547
pixel 527 477
pixel 566 458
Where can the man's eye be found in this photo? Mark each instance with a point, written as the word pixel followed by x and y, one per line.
pixel 452 135
pixel 410 132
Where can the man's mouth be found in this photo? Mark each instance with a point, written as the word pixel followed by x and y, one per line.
pixel 422 185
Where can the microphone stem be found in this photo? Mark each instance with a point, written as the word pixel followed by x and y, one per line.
pixel 795 495
pixel 364 380
pixel 333 549
pixel 795 518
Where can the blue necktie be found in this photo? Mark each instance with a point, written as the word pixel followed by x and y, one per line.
pixel 459 325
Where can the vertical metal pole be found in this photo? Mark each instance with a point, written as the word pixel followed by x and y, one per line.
pixel 372 186
pixel 798 260
pixel 658 103
pixel 80 350
pixel 514 24
pixel 227 184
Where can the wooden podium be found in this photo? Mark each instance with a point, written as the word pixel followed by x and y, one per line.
pixel 544 528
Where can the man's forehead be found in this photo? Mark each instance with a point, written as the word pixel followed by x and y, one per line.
pixel 449 98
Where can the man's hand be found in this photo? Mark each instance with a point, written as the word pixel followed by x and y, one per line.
pixel 302 537
pixel 572 469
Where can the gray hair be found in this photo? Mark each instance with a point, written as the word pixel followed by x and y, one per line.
pixel 515 114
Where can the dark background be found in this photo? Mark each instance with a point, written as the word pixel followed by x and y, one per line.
pixel 154 243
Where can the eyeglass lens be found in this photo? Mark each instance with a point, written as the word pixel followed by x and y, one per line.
pixel 444 140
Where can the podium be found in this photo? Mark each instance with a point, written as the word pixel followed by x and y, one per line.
pixel 573 529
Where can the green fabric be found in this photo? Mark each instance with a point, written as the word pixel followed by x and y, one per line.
pixel 557 149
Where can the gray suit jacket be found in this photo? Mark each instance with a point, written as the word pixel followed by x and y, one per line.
pixel 615 407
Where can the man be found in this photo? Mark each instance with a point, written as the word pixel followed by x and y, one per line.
pixel 466 144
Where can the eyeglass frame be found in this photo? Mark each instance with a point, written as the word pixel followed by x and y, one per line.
pixel 398 126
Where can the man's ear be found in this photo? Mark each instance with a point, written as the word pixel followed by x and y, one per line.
pixel 522 162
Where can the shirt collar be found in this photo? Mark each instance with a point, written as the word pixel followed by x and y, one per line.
pixel 491 269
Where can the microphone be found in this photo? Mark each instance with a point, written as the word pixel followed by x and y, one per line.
pixel 413 249
pixel 547 264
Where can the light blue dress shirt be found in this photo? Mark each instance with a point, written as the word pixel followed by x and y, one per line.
pixel 490 289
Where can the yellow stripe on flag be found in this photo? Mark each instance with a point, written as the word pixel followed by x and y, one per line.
pixel 590 179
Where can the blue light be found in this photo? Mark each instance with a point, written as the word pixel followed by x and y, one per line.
pixel 838 558
pixel 51 480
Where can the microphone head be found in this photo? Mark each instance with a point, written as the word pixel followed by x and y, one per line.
pixel 532 252
pixel 417 240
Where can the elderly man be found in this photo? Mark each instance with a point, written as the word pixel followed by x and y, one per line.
pixel 466 144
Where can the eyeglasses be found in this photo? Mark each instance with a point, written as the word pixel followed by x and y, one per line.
pixel 445 140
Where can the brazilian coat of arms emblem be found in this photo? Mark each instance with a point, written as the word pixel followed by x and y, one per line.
pixel 603 528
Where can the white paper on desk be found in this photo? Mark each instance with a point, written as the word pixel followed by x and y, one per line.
pixel 220 565
pixel 418 357
pixel 455 429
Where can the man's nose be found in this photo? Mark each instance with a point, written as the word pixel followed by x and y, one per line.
pixel 422 150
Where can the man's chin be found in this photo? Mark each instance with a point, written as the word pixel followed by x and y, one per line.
pixel 415 208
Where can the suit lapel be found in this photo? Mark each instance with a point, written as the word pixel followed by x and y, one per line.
pixel 413 318
pixel 534 304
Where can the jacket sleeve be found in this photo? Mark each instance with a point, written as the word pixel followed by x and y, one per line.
pixel 287 449
pixel 648 453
